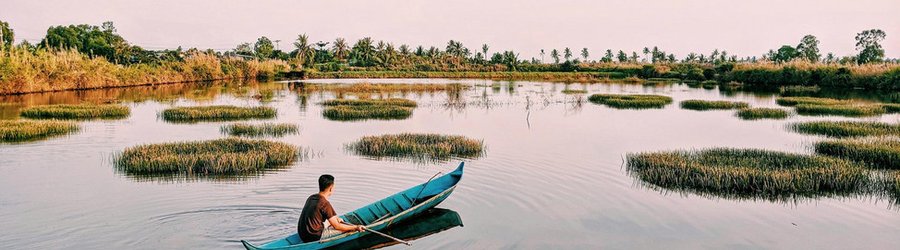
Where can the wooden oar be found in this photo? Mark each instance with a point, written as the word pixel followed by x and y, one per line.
pixel 383 235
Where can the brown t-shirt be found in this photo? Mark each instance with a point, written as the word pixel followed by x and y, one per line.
pixel 313 216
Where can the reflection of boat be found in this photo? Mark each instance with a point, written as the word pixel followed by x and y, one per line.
pixel 430 222
pixel 379 215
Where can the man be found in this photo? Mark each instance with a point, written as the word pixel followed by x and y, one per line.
pixel 317 209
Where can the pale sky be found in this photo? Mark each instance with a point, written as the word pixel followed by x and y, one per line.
pixel 744 28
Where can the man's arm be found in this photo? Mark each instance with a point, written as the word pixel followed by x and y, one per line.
pixel 338 224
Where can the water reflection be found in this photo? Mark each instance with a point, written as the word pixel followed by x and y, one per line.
pixel 431 222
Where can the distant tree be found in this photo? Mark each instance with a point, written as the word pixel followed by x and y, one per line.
pixel 691 57
pixel 785 54
pixel 7 36
pixel 646 52
pixel 869 47
pixel 363 53
pixel 92 41
pixel 567 53
pixel 456 48
pixel 585 54
pixel 809 48
pixel 555 55
pixel 340 49
pixel 304 52
pixel 608 57
pixel 542 55
pixel 263 47
pixel 829 58
pixel 622 57
pixel 634 57
pixel 485 48
pixel 244 49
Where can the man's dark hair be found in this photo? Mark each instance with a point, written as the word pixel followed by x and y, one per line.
pixel 325 181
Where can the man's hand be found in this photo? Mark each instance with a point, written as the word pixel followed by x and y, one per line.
pixel 360 228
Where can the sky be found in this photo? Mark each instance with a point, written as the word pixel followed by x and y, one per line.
pixel 744 28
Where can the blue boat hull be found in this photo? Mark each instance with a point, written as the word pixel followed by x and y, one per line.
pixel 380 214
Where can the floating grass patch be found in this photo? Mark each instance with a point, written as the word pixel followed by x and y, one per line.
pixel 370 102
pixel 708 105
pixel 761 113
pixel 574 92
pixel 851 110
pixel 631 101
pixel 846 128
pixel 748 173
pixel 418 146
pixel 256 130
pixel 877 152
pixel 216 113
pixel 383 87
pixel 213 157
pixel 794 101
pixel 25 130
pixel 799 90
pixel 76 111
pixel 379 112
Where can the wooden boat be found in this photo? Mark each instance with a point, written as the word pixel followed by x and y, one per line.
pixel 430 222
pixel 378 215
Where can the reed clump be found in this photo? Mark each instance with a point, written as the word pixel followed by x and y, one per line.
pixel 29 130
pixel 631 101
pixel 846 128
pixel 710 105
pixel 882 152
pixel 748 172
pixel 383 87
pixel 77 111
pixel 258 130
pixel 852 110
pixel 371 102
pixel 216 113
pixel 574 92
pixel 361 109
pixel 798 100
pixel 799 90
pixel 761 113
pixel 418 146
pixel 893 186
pixel 213 157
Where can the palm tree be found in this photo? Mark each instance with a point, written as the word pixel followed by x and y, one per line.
pixel 585 54
pixel 555 55
pixel 484 48
pixel 363 52
pixel 646 51
pixel 567 53
pixel 542 56
pixel 340 48
pixel 305 52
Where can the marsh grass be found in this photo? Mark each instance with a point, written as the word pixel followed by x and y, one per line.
pixel 881 152
pixel 798 100
pixel 799 90
pixel 574 92
pixel 77 111
pixel 846 128
pixel 378 112
pixel 710 105
pixel 748 173
pixel 30 130
pixel 258 130
pixel 418 146
pixel 761 113
pixel 383 87
pixel 851 110
pixel 213 157
pixel 891 107
pixel 893 186
pixel 631 101
pixel 216 113
pixel 371 102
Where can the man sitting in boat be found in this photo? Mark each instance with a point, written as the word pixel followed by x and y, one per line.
pixel 317 209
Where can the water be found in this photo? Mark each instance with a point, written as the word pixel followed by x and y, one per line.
pixel 552 175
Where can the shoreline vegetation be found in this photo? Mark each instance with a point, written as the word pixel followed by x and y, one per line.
pixel 77 57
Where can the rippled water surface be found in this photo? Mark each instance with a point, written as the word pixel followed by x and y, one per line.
pixel 552 175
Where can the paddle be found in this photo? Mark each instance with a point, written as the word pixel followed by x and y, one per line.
pixel 383 235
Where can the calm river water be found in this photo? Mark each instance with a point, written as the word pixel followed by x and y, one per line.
pixel 552 176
